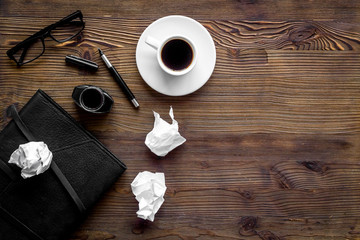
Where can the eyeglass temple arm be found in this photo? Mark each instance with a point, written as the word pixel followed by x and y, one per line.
pixel 70 17
pixel 23 54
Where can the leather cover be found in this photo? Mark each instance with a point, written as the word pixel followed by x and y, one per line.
pixel 40 207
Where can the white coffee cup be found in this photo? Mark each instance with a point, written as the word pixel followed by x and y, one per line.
pixel 176 54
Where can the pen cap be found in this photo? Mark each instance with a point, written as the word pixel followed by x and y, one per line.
pixel 81 62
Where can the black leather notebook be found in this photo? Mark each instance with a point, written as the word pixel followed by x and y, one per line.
pixel 52 204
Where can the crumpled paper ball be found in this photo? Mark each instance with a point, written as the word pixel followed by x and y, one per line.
pixel 149 190
pixel 164 137
pixel 33 158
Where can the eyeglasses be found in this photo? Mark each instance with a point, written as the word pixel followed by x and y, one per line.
pixel 34 46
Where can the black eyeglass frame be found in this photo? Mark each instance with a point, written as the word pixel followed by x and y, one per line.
pixel 42 34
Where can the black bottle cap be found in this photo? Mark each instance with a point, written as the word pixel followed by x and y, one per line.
pixel 81 62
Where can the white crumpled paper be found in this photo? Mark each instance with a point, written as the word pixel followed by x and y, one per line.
pixel 164 137
pixel 33 158
pixel 149 190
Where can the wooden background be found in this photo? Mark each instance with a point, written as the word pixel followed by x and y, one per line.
pixel 273 137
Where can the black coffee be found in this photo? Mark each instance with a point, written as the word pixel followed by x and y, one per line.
pixel 91 98
pixel 177 54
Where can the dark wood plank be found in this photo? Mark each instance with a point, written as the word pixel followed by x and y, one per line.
pixel 346 10
pixel 272 138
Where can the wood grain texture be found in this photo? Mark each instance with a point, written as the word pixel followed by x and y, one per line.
pixel 273 137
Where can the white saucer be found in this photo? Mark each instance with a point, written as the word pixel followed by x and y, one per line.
pixel 150 70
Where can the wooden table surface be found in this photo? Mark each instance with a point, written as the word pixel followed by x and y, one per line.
pixel 273 138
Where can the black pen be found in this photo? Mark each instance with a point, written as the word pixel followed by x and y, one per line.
pixel 119 80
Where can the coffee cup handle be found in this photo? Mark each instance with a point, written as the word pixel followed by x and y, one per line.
pixel 152 42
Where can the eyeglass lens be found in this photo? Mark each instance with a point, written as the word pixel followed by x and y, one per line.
pixel 67 30
pixel 30 51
